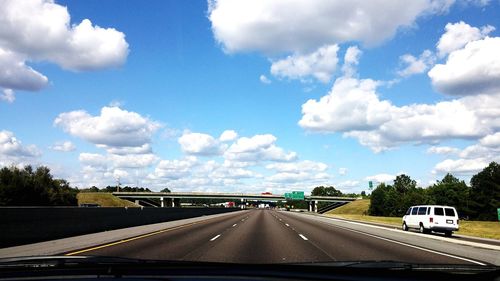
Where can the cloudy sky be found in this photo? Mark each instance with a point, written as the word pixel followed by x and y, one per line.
pixel 250 96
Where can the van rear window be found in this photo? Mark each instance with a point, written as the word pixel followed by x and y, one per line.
pixel 438 212
pixel 422 210
pixel 449 212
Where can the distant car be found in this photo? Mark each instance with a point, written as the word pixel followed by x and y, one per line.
pixel 90 205
pixel 427 218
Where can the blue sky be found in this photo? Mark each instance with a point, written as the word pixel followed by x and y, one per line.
pixel 250 96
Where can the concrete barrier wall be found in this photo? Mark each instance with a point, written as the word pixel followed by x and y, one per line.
pixel 24 225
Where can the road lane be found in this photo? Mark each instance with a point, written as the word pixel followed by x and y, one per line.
pixel 174 244
pixel 260 239
pixel 349 245
pixel 265 236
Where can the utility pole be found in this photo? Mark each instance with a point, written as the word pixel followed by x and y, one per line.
pixel 118 184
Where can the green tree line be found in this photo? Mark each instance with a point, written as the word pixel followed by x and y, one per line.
pixel 28 187
pixel 479 201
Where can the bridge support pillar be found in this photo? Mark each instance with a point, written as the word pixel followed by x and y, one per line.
pixel 137 202
pixel 315 206
pixel 162 202
pixel 176 202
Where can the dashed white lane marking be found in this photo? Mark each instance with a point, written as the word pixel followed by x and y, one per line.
pixel 235 224
pixel 215 237
pixel 243 220
pixel 303 237
pixel 287 224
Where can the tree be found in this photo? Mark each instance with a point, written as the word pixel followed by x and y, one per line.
pixel 378 202
pixel 326 191
pixel 25 187
pixel 404 183
pixel 485 192
pixel 451 191
pixel 166 189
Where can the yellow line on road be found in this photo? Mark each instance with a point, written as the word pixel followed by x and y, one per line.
pixel 129 239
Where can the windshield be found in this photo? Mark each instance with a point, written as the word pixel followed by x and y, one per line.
pixel 251 131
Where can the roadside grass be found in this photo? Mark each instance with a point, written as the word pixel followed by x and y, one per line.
pixel 103 199
pixel 358 209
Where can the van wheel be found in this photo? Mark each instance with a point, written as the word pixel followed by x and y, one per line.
pixel 405 227
pixel 422 229
pixel 448 233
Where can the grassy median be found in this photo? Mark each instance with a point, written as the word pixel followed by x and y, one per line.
pixel 358 210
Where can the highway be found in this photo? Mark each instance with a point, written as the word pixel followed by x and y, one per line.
pixel 267 236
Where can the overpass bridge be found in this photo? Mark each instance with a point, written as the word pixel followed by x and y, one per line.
pixel 173 198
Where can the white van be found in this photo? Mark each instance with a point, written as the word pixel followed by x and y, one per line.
pixel 427 218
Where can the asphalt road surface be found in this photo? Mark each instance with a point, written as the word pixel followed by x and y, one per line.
pixel 266 236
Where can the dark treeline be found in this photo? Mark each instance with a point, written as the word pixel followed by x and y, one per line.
pixel 115 188
pixel 479 201
pixel 28 187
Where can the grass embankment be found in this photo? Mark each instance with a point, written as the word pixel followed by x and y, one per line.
pixel 358 209
pixel 103 199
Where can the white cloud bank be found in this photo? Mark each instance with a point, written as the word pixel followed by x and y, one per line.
pixel 305 25
pixel 114 127
pixel 353 106
pixel 319 64
pixel 40 30
pixel 13 152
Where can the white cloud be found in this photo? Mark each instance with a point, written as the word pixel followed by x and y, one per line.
pixel 416 65
pixel 353 107
pixel 93 159
pixel 297 167
pixel 492 140
pixel 114 127
pixel 64 146
pixel 258 148
pixel 200 144
pixel 352 104
pixel 132 160
pixel 304 25
pixel 343 171
pixel 7 95
pixel 473 158
pixel 41 29
pixel 381 178
pixel 348 184
pixel 174 169
pixel 13 152
pixel 264 79
pixel 461 166
pixel 442 150
pixel 351 60
pixel 473 70
pixel 458 34
pixel 124 150
pixel 228 135
pixel 15 74
pixel 320 64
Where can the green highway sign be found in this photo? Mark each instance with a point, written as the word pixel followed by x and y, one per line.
pixel 370 184
pixel 295 195
pixel 498 213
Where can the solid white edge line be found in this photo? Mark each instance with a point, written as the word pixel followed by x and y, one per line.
pixel 287 224
pixel 215 237
pixel 303 237
pixel 415 247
